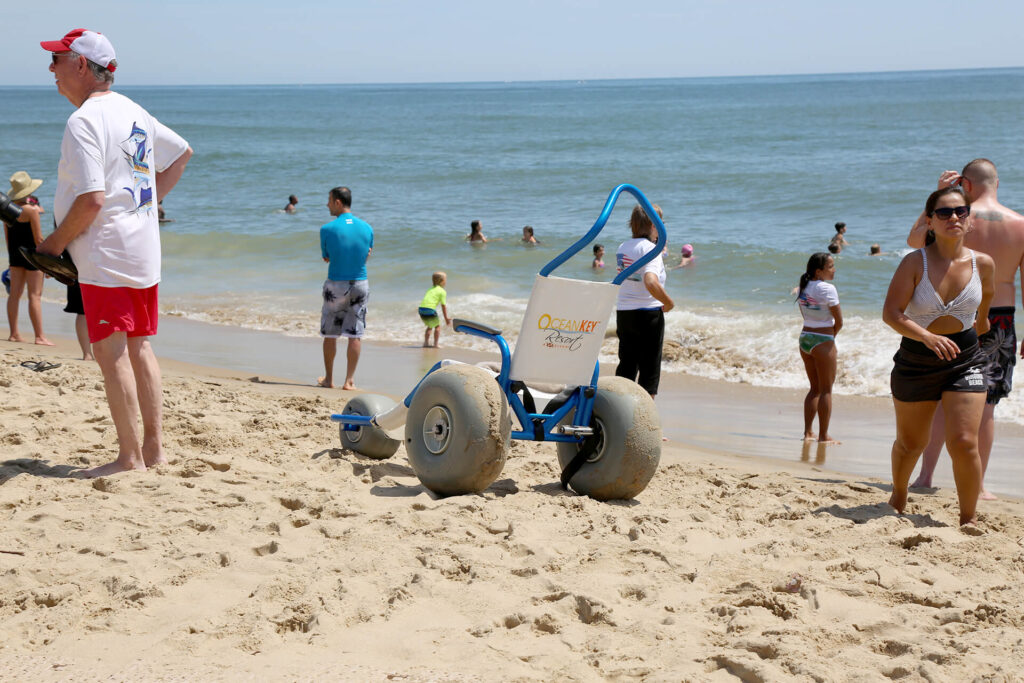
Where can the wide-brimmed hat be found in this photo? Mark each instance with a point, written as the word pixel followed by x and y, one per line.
pixel 22 185
pixel 92 45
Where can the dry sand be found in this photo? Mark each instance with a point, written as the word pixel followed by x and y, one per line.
pixel 264 551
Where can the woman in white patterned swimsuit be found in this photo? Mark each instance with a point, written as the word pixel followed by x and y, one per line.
pixel 938 300
pixel 819 306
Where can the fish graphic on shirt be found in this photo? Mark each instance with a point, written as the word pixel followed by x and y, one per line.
pixel 137 157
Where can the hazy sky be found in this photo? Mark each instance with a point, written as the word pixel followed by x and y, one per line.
pixel 386 41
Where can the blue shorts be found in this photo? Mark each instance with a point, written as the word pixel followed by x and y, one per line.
pixel 429 317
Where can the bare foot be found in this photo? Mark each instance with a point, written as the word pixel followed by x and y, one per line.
pixel 922 482
pixel 985 495
pixel 154 458
pixel 825 438
pixel 110 468
pixel 971 528
pixel 809 437
pixel 324 382
pixel 426 346
pixel 898 501
pixel 43 341
pixel 348 386
pixel 16 338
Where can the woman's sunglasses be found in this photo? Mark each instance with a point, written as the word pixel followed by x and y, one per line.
pixel 946 212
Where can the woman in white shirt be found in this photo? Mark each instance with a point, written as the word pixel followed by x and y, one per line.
pixel 819 306
pixel 641 307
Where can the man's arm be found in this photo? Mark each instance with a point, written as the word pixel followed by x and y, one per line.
pixel 919 232
pixel 169 177
pixel 80 216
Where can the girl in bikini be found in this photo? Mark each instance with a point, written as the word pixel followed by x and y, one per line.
pixel 938 300
pixel 819 306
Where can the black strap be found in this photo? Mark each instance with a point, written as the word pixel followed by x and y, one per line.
pixel 587 449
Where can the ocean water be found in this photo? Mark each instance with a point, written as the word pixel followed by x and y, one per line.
pixel 752 171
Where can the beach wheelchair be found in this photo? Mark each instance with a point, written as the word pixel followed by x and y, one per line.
pixel 458 419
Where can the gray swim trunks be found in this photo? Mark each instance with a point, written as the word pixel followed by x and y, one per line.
pixel 344 310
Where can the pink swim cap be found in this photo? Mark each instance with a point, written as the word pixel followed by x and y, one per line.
pixel 687 250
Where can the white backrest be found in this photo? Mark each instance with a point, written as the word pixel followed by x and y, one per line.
pixel 563 330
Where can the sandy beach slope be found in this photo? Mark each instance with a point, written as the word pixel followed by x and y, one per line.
pixel 264 551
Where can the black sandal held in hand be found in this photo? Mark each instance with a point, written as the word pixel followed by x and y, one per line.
pixel 57 267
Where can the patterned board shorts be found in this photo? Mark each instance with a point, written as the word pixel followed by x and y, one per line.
pixel 344 310
pixel 999 345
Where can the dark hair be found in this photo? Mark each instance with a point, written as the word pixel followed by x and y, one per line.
pixel 876 249
pixel 596 247
pixel 292 199
pixel 639 223
pixel 343 195
pixel 474 226
pixel 833 248
pixel 817 262
pixel 528 229
pixel 840 225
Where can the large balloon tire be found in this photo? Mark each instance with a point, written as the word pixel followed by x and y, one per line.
pixel 629 444
pixel 371 441
pixel 457 430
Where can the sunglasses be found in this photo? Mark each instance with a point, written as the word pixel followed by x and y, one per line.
pixel 56 55
pixel 946 212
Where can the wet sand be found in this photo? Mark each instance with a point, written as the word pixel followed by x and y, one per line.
pixel 715 416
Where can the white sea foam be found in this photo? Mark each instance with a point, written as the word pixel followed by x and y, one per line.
pixel 716 343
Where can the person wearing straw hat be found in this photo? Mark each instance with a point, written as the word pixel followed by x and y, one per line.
pixel 25 232
pixel 116 162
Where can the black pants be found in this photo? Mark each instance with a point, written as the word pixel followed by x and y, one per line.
pixel 640 334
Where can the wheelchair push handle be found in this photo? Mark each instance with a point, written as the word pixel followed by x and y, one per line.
pixel 606 212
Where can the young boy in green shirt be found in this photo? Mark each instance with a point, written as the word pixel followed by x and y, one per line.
pixel 435 296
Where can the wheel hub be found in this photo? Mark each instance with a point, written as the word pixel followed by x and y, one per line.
pixel 437 429
pixel 354 435
pixel 599 435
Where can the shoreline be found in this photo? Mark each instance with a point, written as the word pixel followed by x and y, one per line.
pixel 713 416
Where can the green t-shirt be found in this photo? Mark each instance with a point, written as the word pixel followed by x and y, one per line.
pixel 435 296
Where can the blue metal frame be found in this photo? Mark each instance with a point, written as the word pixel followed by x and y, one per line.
pixel 582 398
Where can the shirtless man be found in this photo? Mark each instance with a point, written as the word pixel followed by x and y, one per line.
pixel 998 232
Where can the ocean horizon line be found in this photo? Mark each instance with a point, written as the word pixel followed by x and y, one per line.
pixel 782 77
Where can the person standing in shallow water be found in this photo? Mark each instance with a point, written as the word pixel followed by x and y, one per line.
pixel 819 306
pixel 938 300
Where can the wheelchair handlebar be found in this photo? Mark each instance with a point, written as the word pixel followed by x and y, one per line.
pixel 606 212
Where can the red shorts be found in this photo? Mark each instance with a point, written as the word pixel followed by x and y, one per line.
pixel 119 309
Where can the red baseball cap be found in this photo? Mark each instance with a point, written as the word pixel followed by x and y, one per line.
pixel 92 45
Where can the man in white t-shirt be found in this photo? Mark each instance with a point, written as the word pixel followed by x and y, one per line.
pixel 117 162
pixel 642 304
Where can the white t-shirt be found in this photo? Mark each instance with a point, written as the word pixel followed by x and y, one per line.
pixel 815 301
pixel 113 145
pixel 633 293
